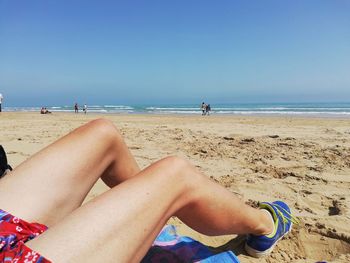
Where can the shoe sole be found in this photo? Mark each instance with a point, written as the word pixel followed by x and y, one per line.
pixel 259 254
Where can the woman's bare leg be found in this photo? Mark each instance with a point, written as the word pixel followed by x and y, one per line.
pixel 120 225
pixel 55 181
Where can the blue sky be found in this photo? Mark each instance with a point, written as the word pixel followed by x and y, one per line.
pixel 184 51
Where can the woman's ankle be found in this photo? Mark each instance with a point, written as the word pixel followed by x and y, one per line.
pixel 268 224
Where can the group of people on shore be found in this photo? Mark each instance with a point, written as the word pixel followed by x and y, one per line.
pixel 205 108
pixel 44 110
pixel 76 108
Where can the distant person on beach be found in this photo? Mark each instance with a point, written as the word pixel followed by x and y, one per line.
pixel 44 110
pixel 76 108
pixel 1 98
pixel 121 224
pixel 207 109
pixel 85 108
pixel 203 108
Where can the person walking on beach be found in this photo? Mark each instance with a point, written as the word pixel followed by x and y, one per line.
pixel 207 109
pixel 1 98
pixel 85 108
pixel 121 224
pixel 203 107
pixel 76 108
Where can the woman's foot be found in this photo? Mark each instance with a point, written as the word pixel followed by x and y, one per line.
pixel 259 246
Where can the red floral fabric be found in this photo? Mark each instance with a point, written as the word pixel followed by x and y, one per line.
pixel 14 232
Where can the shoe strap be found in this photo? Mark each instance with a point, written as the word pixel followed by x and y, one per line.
pixel 286 216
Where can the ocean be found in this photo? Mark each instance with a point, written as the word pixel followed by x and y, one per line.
pixel 290 109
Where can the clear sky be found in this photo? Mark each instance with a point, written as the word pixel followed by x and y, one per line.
pixel 157 51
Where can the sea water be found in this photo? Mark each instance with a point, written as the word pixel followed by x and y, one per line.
pixel 296 109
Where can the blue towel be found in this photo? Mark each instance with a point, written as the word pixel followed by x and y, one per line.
pixel 171 247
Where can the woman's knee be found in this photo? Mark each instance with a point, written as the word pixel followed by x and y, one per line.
pixel 180 168
pixel 104 129
pixel 176 163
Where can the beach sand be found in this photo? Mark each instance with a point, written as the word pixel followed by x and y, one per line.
pixel 303 161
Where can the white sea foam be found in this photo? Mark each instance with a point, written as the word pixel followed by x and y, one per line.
pixel 284 112
pixel 171 108
pixel 118 107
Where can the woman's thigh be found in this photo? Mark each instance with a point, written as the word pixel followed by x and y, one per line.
pixel 55 181
pixel 119 225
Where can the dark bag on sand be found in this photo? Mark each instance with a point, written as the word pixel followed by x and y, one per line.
pixel 4 166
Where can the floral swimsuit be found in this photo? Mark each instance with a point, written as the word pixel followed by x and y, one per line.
pixel 14 232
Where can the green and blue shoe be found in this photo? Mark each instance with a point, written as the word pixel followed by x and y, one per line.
pixel 260 246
